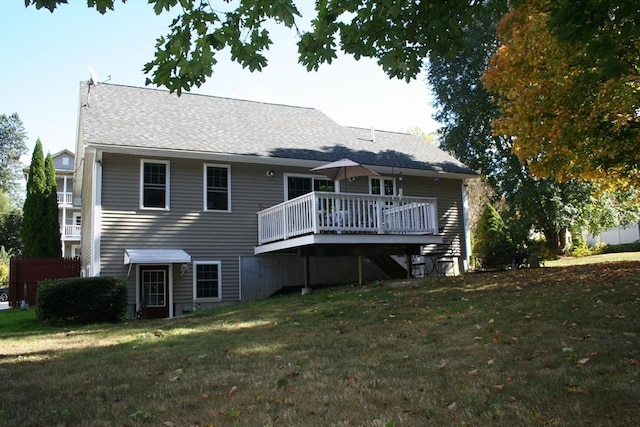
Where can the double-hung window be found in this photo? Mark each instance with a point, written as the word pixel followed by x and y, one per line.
pixel 207 280
pixel 217 188
pixel 154 184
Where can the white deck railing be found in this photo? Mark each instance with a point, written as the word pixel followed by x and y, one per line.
pixel 70 232
pixel 323 212
pixel 65 198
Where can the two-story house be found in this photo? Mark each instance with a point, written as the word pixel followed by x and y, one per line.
pixel 69 216
pixel 199 201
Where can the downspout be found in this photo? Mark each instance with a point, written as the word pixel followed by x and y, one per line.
pixel 466 225
pixel 96 218
pixel 63 229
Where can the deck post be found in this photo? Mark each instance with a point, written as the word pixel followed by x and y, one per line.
pixel 307 275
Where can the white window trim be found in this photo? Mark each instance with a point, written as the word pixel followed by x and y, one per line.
pixel 382 179
pixel 73 250
pixel 204 187
pixel 167 194
pixel 170 282
pixel 195 276
pixel 286 176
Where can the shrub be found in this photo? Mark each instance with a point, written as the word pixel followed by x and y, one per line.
pixel 579 247
pixel 580 250
pixel 4 275
pixel 540 248
pixel 626 247
pixel 493 244
pixel 81 300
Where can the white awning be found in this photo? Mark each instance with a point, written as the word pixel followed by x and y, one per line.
pixel 155 256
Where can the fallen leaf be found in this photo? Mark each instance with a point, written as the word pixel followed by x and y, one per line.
pixel 233 390
pixel 499 387
pixel 576 390
pixel 583 361
pixel 514 339
pixel 443 364
pixel 453 407
pixel 234 413
pixel 474 372
pixel 491 360
pixel 168 424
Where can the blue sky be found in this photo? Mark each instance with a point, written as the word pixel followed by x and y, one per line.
pixel 44 56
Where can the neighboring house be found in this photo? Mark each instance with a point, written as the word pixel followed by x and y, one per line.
pixel 616 235
pixel 200 201
pixel 69 216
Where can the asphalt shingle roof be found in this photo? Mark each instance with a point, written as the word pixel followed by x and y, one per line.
pixel 125 116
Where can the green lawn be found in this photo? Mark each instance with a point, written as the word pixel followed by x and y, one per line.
pixel 549 346
pixel 594 259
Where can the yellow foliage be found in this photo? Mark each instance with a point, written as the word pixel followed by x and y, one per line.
pixel 564 122
pixel 4 274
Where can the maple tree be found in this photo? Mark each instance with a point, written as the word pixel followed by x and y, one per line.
pixel 566 119
pixel 465 109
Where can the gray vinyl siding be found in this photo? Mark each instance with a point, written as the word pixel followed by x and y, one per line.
pixel 205 235
pixel 448 193
pixel 219 236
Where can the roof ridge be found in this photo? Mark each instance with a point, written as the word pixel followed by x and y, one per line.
pixel 397 132
pixel 209 96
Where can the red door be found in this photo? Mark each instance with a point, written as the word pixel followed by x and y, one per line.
pixel 154 291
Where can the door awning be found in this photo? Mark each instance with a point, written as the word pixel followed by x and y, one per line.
pixel 155 256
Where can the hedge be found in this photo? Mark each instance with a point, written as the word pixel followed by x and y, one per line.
pixel 81 300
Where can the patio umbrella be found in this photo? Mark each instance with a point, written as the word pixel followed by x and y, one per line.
pixel 343 169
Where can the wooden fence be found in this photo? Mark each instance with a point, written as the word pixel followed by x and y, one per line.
pixel 25 273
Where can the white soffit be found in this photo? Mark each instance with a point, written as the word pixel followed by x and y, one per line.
pixel 155 256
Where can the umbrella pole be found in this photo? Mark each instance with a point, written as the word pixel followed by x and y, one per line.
pixel 345 178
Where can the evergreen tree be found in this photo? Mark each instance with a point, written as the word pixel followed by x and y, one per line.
pixel 52 231
pixel 35 219
pixel 492 236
